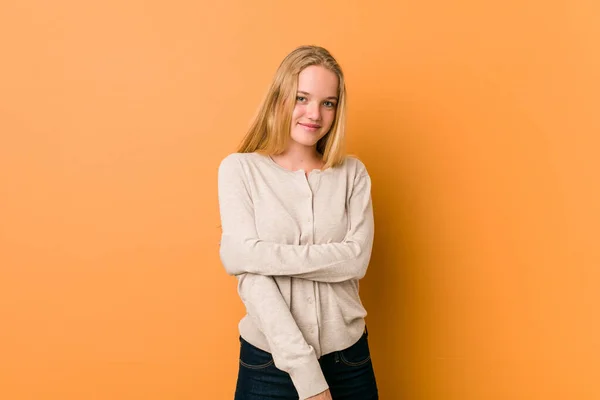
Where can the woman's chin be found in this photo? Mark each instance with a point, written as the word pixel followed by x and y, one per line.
pixel 306 138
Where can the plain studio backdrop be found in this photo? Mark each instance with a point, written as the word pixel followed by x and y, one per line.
pixel 477 121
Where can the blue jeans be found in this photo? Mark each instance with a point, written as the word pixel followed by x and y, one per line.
pixel 348 372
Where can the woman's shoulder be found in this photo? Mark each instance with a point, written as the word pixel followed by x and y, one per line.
pixel 354 165
pixel 238 159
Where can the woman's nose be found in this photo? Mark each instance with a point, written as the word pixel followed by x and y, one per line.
pixel 313 112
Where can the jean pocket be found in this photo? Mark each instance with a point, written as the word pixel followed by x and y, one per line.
pixel 254 358
pixel 357 354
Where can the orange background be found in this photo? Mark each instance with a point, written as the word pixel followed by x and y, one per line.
pixel 476 121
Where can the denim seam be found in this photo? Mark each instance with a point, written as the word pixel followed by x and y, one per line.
pixel 256 366
pixel 354 364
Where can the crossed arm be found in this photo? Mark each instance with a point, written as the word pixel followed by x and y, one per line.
pixel 243 252
pixel 291 353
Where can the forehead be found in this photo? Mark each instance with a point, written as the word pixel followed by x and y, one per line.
pixel 318 81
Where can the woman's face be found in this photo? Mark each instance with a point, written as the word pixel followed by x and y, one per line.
pixel 316 103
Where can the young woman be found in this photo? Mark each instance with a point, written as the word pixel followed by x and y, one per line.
pixel 298 230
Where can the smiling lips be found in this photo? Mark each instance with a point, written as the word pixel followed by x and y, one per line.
pixel 310 127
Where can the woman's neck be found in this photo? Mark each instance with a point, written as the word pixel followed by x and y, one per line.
pixel 295 158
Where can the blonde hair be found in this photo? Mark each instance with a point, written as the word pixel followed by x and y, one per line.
pixel 269 132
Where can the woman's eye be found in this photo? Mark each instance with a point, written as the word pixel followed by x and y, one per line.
pixel 329 104
pixel 300 99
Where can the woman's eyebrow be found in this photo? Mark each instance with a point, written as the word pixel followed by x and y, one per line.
pixel 308 94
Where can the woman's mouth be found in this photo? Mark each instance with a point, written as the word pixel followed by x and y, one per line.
pixel 310 127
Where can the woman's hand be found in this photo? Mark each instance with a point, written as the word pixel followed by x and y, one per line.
pixel 326 395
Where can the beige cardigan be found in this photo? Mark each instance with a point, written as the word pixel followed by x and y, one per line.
pixel 298 247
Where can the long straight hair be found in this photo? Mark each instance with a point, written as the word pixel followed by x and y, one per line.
pixel 269 132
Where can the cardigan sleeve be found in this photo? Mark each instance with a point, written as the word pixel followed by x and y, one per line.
pixel 265 304
pixel 242 251
pixel 291 353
